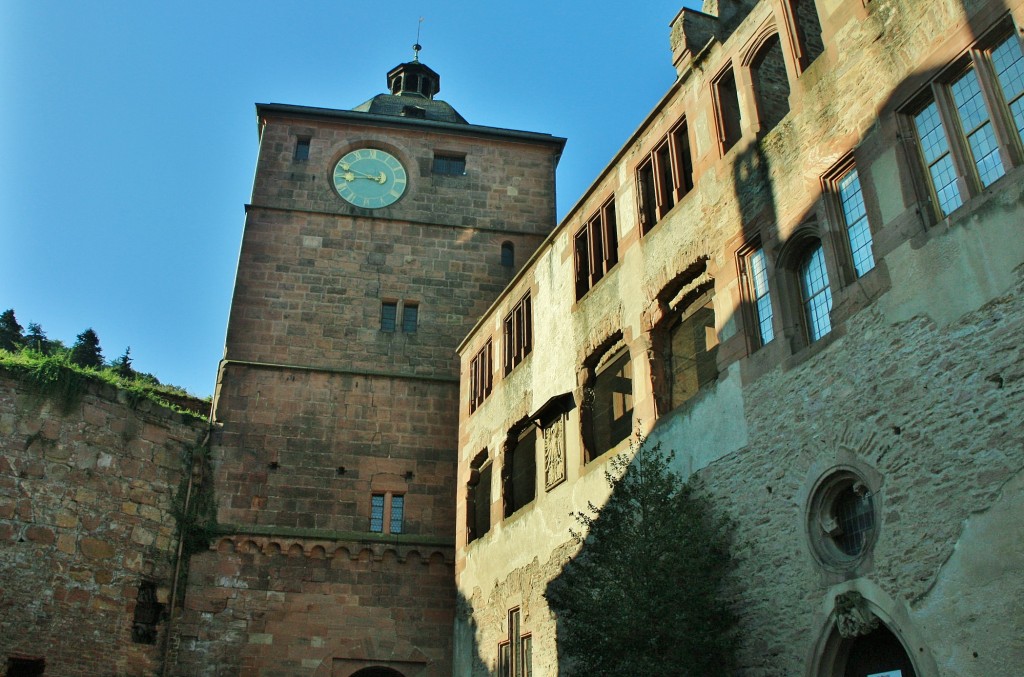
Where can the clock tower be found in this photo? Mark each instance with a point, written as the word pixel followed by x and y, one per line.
pixel 374 239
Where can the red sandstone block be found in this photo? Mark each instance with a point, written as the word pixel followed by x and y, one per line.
pixel 40 535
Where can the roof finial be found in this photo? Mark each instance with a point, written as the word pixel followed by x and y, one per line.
pixel 417 47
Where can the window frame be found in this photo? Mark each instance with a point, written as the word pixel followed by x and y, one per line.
pixel 968 180
pixel 664 176
pixel 515 653
pixel 448 164
pixel 729 131
pixel 752 316
pixel 596 444
pixel 521 443
pixel 838 214
pixel 388 501
pixel 481 376
pixel 388 316
pixel 410 317
pixel 479 496
pixel 303 144
pixel 595 248
pixel 517 333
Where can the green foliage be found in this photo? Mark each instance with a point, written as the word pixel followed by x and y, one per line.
pixel 56 378
pixel 644 596
pixel 10 331
pixel 35 340
pixel 122 366
pixel 86 351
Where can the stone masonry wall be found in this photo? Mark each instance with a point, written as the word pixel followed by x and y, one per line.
pixel 290 606
pixel 85 518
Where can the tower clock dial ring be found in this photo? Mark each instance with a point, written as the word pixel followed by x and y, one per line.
pixel 370 178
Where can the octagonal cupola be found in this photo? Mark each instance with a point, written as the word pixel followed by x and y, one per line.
pixel 414 78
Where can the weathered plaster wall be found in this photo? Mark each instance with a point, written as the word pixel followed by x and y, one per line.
pixel 918 383
pixel 85 517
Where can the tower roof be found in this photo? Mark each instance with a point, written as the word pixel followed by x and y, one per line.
pixel 412 86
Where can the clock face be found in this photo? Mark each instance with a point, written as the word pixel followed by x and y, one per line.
pixel 370 178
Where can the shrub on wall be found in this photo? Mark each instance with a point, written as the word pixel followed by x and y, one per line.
pixel 644 595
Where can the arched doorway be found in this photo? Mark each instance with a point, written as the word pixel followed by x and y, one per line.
pixel 876 654
pixel 378 672
pixel 862 643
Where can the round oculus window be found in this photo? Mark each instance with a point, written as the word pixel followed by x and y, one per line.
pixel 842 522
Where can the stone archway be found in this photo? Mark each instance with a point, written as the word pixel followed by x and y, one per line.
pixel 378 671
pixel 862 639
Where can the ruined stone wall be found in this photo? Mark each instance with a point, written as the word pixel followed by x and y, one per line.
pixel 86 522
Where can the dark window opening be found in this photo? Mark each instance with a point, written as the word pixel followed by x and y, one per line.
pixel 647 195
pixel 481 375
pixel 855 519
pixel 729 125
pixel 478 510
pixel 518 333
pixel 693 352
pixel 147 614
pixel 302 148
pixel 410 316
pixel 596 248
pixel 520 470
pixel 608 405
pixel 684 164
pixel 25 667
pixel 388 315
pixel 449 165
pixel 808 27
pixel 771 84
pixel 508 254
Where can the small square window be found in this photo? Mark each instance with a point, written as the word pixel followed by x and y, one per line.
pixel 388 316
pixel 449 165
pixel 410 316
pixel 387 509
pixel 302 149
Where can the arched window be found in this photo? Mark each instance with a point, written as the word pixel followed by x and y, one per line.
pixel 508 254
pixel 771 83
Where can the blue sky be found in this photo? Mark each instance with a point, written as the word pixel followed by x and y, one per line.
pixel 128 135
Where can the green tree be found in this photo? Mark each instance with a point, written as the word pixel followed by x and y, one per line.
pixel 10 331
pixel 645 595
pixel 122 366
pixel 35 339
pixel 86 351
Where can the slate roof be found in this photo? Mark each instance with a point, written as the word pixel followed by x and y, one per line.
pixel 411 106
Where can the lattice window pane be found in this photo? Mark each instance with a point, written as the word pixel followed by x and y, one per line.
pixel 855 517
pixel 1009 66
pixel 758 270
pixel 397 514
pixel 974 118
pixel 857 228
pixel 817 297
pixel 377 513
